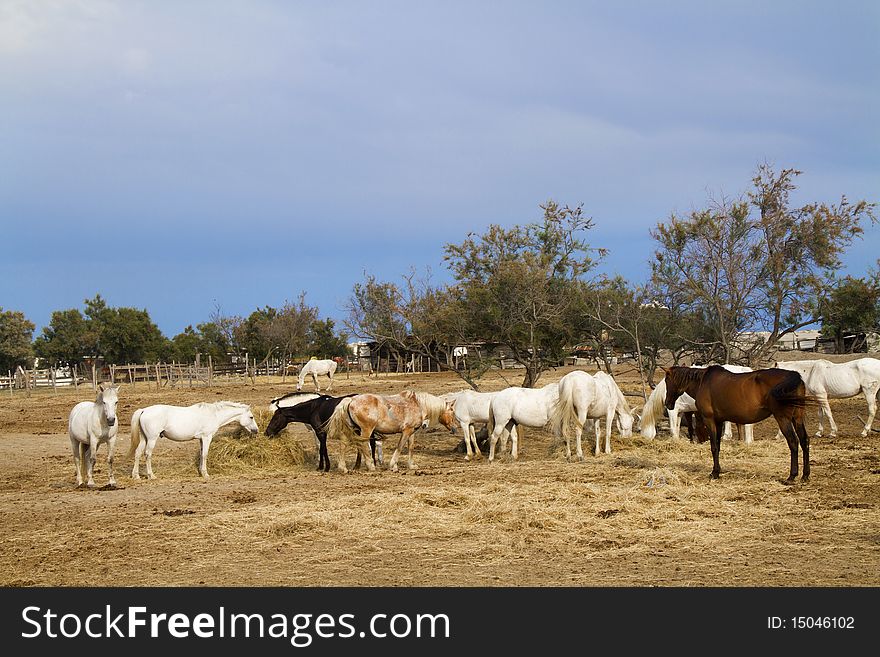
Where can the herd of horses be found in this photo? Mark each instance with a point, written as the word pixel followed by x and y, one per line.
pixel 711 397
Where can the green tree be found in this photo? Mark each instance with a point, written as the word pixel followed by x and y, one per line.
pixel 518 285
pixel 15 340
pixel 67 339
pixel 758 263
pixel 852 307
pixel 186 345
pixel 325 342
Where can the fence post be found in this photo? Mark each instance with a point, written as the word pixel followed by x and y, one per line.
pixel 9 374
pixel 210 371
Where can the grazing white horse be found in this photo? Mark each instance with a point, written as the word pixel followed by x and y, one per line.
pixel 91 424
pixel 470 407
pixel 182 423
pixel 317 368
pixel 656 405
pixel 512 406
pixel 583 396
pixel 826 380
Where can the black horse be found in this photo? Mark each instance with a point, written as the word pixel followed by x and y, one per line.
pixel 314 410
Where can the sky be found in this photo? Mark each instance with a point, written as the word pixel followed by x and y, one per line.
pixel 180 155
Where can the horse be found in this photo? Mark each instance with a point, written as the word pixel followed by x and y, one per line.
pixel 470 407
pixel 655 405
pixel 90 424
pixel 583 396
pixel 512 406
pixel 309 408
pixel 182 423
pixel 360 418
pixel 826 380
pixel 317 368
pixel 744 399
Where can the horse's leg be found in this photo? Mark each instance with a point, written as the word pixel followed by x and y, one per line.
pixel 674 422
pixel 330 385
pixel 90 463
pixel 466 430
pixel 597 428
pixel 821 413
pixel 315 379
pixel 871 398
pixel 728 432
pixel 151 445
pixel 478 454
pixel 392 465
pixel 749 433
pixel 412 440
pixel 715 430
pixel 111 450
pixel 341 462
pixel 804 438
pixel 609 419
pixel 203 455
pixel 514 439
pixel 784 418
pixel 497 430
pixel 363 451
pixel 77 459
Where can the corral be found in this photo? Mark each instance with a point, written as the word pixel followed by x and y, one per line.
pixel 645 515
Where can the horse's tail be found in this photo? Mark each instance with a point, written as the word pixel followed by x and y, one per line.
pixel 791 391
pixel 135 432
pixel 653 410
pixel 563 415
pixel 340 424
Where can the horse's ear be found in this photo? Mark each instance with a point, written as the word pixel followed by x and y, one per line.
pixel 101 387
pixel 450 404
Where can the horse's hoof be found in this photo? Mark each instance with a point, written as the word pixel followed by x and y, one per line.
pixel 788 482
pixel 715 475
pixel 91 484
pixel 581 458
pixel 394 468
pixel 467 458
pixel 805 479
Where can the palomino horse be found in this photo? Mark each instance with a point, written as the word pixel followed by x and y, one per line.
pixel 317 368
pixel 512 406
pixel 744 399
pixel 826 380
pixel 359 418
pixel 182 423
pixel 471 407
pixel 309 408
pixel 655 406
pixel 583 396
pixel 91 424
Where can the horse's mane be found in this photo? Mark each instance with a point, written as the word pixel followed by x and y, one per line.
pixel 431 405
pixel 616 391
pixel 682 375
pixel 221 403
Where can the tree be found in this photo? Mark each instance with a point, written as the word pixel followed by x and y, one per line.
pixel 67 339
pixel 15 340
pixel 186 345
pixel 853 306
pixel 325 342
pixel 756 263
pixel 518 285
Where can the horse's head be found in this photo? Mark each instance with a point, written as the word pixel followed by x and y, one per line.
pixel 246 420
pixel 625 424
pixel 277 423
pixel 674 386
pixel 447 417
pixel 107 399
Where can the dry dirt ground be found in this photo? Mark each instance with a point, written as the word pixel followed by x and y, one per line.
pixel 645 515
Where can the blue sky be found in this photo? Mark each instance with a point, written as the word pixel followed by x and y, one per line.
pixel 176 154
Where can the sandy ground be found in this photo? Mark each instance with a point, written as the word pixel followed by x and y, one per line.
pixel 645 515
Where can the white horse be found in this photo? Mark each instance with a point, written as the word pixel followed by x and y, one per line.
pixel 528 406
pixel 317 368
pixel 583 396
pixel 91 424
pixel 470 407
pixel 826 380
pixel 656 405
pixel 182 423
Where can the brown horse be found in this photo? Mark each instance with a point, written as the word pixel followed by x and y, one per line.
pixel 723 396
pixel 358 418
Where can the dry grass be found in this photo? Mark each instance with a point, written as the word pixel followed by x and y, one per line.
pixel 647 514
